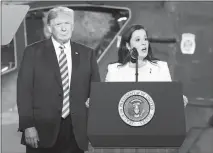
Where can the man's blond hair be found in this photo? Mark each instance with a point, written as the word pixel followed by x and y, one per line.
pixel 53 13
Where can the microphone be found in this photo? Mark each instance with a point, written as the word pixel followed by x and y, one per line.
pixel 134 53
pixel 134 59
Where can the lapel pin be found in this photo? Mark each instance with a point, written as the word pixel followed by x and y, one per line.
pixel 76 53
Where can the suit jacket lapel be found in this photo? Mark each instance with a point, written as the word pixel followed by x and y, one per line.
pixel 53 61
pixel 75 60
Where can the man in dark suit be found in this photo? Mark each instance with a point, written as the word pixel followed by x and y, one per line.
pixel 53 85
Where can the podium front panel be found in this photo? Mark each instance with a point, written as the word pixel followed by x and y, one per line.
pixel 107 129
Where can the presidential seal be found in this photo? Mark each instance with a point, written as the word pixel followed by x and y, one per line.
pixel 136 108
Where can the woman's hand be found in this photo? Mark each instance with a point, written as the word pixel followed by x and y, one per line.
pixel 185 100
pixel 87 103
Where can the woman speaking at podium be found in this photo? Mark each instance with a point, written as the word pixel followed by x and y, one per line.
pixel 135 50
pixel 134 42
pixel 136 62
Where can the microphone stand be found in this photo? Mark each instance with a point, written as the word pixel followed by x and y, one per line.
pixel 134 58
pixel 136 69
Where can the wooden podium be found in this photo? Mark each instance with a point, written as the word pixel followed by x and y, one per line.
pixel 106 128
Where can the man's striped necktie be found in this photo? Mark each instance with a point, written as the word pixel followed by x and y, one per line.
pixel 65 82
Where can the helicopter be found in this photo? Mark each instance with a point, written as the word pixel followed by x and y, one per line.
pixel 100 24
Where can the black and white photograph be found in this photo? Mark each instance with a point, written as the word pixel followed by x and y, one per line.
pixel 106 76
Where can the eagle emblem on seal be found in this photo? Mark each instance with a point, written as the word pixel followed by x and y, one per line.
pixel 136 108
